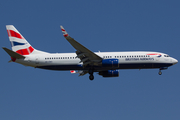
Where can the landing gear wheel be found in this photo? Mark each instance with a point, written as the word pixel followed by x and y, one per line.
pixel 160 73
pixel 91 77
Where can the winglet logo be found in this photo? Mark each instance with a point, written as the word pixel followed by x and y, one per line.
pixel 158 55
pixel 65 34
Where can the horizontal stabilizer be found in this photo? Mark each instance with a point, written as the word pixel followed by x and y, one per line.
pixel 13 54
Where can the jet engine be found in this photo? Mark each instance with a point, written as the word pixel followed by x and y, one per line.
pixel 110 63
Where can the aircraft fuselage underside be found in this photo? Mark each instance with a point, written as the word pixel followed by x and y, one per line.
pixel 97 68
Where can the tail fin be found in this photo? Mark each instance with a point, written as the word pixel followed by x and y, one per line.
pixel 18 42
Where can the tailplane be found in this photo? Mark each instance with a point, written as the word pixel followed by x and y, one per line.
pixel 13 55
pixel 20 46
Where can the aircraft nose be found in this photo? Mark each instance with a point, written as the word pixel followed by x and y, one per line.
pixel 174 61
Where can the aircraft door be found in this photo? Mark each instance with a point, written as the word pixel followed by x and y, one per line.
pixel 157 58
pixel 37 60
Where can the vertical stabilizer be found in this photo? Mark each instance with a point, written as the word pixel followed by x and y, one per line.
pixel 18 42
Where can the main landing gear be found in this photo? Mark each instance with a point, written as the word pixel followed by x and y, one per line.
pixel 91 76
pixel 163 68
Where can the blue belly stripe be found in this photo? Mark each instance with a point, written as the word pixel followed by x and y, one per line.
pixel 96 68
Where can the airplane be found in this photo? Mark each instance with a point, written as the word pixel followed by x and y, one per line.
pixel 84 61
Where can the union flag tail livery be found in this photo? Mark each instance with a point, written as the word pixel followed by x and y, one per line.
pixel 84 61
pixel 18 42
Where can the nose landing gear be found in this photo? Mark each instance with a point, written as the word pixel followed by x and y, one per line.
pixel 163 68
pixel 160 73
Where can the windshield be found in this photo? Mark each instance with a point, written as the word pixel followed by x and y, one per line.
pixel 166 55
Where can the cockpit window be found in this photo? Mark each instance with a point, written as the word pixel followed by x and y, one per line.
pixel 166 55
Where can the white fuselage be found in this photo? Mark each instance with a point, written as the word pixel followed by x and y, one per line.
pixel 127 60
pixel 83 60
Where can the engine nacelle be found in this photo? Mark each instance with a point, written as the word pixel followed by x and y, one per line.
pixel 110 63
pixel 109 73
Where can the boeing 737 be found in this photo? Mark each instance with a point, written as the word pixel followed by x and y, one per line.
pixel 83 61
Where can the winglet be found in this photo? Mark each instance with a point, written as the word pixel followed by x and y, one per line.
pixel 64 32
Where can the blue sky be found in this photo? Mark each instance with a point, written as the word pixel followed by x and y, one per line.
pixel 27 93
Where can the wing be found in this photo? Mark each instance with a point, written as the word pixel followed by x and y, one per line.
pixel 86 56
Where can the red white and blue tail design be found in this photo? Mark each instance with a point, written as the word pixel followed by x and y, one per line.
pixel 18 42
pixel 65 34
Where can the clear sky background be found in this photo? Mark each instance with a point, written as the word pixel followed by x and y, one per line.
pixel 111 25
